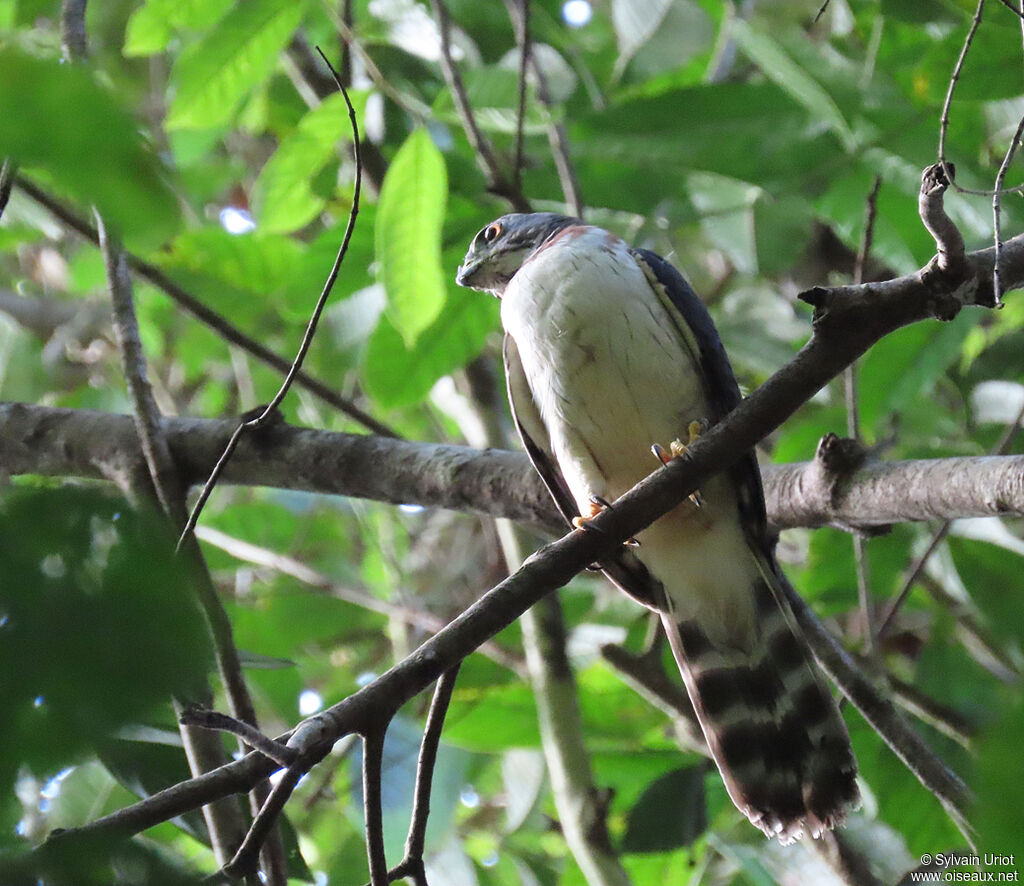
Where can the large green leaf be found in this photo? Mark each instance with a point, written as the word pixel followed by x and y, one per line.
pixel 215 74
pixel 907 364
pixel 639 151
pixel 153 24
pixel 408 235
pixel 399 375
pixel 781 69
pixel 56 117
pixel 282 197
pixel 670 813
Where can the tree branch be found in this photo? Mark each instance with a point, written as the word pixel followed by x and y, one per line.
pixel 57 442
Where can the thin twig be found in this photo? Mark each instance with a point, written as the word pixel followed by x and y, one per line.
pixel 997 285
pixel 416 840
pixel 850 393
pixel 373 758
pixel 166 486
pixel 944 119
pixel 522 20
pixel 215 321
pixel 163 483
pixel 478 142
pixel 307 338
pixel 245 859
pixel 214 720
pixel 1017 12
pixel 557 136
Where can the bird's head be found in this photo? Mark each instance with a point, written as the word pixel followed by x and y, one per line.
pixel 500 249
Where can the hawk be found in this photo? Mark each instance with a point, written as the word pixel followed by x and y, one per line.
pixel 608 351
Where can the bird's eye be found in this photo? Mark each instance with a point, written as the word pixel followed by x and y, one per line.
pixel 491 233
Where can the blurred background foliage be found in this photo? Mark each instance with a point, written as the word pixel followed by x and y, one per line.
pixel 741 140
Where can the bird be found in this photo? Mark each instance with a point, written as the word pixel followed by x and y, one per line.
pixel 609 353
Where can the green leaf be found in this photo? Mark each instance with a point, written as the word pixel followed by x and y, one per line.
pixel 95 153
pixel 670 813
pixel 906 365
pixel 635 22
pixel 997 814
pixel 399 375
pixel 151 26
pixel 782 70
pixel 631 155
pixel 215 74
pixel 408 235
pixel 282 197
pixel 495 719
pixel 782 229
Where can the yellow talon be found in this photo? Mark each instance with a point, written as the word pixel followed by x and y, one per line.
pixel 595 507
pixel 677 448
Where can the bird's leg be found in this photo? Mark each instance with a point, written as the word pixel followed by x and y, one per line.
pixel 596 505
pixel 677 448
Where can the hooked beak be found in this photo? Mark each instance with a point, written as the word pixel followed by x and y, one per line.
pixel 464 276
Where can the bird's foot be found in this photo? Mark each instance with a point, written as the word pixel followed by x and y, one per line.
pixel 596 506
pixel 677 448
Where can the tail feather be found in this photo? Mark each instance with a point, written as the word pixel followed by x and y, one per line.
pixel 771 724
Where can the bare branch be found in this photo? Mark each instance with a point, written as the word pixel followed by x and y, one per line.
pixel 949 242
pixel 207 719
pixel 997 285
pixel 373 753
pixel 522 23
pixel 59 442
pixel 416 840
pixel 947 167
pixel 166 485
pixel 1002 446
pixel 850 394
pixel 646 674
pixel 72 29
pixel 582 808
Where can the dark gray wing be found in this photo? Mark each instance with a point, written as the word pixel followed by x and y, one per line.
pixel 532 431
pixel 720 387
pixel 623 569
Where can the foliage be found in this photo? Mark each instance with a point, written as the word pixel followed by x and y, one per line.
pixel 741 140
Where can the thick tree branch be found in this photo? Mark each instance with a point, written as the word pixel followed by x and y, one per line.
pixel 58 442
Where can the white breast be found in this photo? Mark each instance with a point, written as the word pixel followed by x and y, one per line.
pixel 611 375
pixel 608 371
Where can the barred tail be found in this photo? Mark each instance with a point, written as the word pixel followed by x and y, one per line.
pixel 771 724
